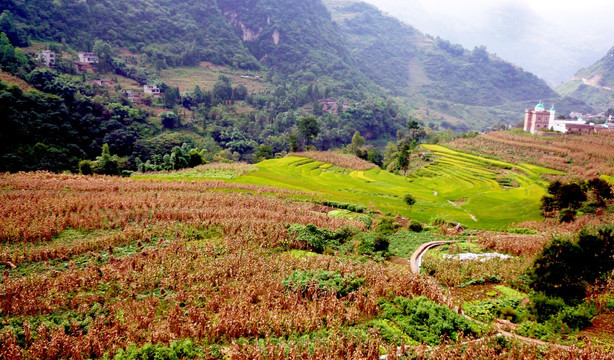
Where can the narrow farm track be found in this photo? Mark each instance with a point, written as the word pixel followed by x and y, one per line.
pixel 414 264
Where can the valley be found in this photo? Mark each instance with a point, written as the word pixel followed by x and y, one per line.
pixel 292 179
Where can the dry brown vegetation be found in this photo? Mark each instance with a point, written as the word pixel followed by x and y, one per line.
pixel 160 261
pixel 338 159
pixel 494 348
pixel 551 226
pixel 581 156
pixel 515 244
pixel 12 79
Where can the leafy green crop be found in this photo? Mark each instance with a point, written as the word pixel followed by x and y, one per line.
pixel 423 321
pixel 322 282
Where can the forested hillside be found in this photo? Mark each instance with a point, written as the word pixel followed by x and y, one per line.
pixel 298 39
pixel 458 82
pixel 313 81
pixel 171 32
pixel 594 84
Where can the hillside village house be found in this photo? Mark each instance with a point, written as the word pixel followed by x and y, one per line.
pixel 47 57
pixel 540 119
pixel 133 96
pixel 151 89
pixel 88 58
pixel 102 82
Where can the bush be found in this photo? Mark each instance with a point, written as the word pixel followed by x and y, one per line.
pixel 415 226
pixel 345 206
pixel 564 268
pixel 322 282
pixel 177 350
pixel 387 226
pixel 544 307
pixel 576 318
pixel 409 199
pixel 85 167
pixel 318 239
pixel 567 216
pixel 534 330
pixel 371 244
pixel 425 321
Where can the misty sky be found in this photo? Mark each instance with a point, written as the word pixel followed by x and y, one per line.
pixel 552 39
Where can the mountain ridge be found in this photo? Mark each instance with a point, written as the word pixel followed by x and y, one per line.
pixel 593 84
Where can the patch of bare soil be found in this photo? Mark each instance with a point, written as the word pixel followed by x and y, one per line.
pixel 602 328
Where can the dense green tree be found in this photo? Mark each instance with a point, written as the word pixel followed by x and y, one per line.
pixel 565 268
pixel 105 56
pixel 169 120
pixel 409 199
pixel 222 89
pixel 308 129
pixel 264 152
pixel 13 60
pixel 239 92
pixel 106 164
pixel 15 35
pixel 601 190
pixel 357 143
pixel 403 158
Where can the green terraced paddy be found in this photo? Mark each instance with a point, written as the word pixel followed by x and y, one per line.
pixel 477 192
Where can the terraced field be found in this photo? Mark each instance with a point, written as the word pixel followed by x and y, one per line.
pixel 459 187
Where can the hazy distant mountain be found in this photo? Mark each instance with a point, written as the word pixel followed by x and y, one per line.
pixel 542 43
pixel 594 84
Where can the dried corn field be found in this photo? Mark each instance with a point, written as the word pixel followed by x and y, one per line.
pixel 155 262
pixel 582 156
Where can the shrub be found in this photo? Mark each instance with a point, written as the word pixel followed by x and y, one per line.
pixel 387 226
pixel 576 318
pixel 318 239
pixel 177 350
pixel 322 282
pixel 409 199
pixel 544 307
pixel 534 330
pixel 85 167
pixel 345 206
pixel 564 268
pixel 371 244
pixel 425 321
pixel 567 216
pixel 415 226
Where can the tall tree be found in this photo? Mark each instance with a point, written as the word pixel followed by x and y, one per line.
pixel 308 128
pixel 105 56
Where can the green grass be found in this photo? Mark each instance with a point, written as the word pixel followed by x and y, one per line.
pixel 477 192
pixel 187 77
pixel 458 186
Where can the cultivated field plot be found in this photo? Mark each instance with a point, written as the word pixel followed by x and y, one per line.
pixel 458 187
pixel 205 76
pixel 201 269
pixel 583 156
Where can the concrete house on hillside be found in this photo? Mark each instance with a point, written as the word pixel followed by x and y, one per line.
pixel 151 89
pixel 88 58
pixel 47 57
pixel 102 82
pixel 133 96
